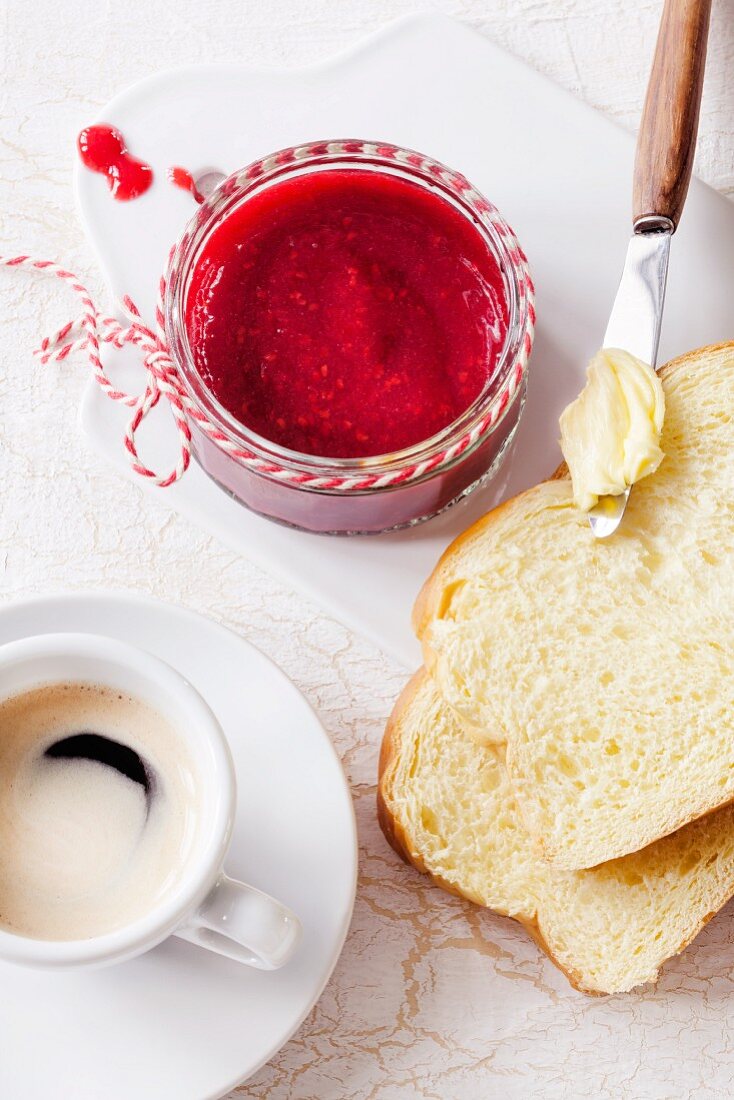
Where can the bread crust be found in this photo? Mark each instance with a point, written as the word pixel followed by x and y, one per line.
pixel 393 831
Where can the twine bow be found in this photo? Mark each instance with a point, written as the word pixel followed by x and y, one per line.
pixel 89 331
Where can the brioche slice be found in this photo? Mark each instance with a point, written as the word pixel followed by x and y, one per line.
pixel 606 666
pixel 445 804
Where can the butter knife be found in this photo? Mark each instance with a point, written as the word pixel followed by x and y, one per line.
pixel 666 145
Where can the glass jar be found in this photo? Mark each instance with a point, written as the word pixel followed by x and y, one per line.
pixel 355 495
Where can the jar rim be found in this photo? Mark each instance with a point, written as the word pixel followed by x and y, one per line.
pixel 456 438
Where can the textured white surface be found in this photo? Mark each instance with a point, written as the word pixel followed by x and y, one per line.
pixel 430 997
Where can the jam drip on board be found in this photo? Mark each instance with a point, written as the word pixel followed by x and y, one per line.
pixel 102 149
pixel 346 313
pixel 181 177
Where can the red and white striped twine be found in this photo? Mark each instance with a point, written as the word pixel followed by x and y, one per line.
pixel 162 376
pixel 87 333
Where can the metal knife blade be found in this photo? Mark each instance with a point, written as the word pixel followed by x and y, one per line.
pixel 634 323
pixel 634 326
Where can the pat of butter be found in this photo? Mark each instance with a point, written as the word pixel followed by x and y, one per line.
pixel 610 435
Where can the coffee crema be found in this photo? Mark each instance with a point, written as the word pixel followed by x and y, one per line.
pixel 98 801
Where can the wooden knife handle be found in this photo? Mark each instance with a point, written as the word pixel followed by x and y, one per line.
pixel 667 139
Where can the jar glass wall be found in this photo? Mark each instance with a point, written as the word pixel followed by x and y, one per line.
pixel 367 494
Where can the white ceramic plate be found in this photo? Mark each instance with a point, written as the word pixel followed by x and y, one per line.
pixel 180 1023
pixel 559 172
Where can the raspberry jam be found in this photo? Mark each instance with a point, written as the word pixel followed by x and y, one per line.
pixel 352 323
pixel 182 178
pixel 102 149
pixel 346 313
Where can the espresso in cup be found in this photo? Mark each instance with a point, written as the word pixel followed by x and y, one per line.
pixel 98 805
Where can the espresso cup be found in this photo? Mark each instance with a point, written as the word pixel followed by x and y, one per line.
pixel 203 905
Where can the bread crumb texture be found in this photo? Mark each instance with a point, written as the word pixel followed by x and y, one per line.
pixel 607 667
pixel 450 802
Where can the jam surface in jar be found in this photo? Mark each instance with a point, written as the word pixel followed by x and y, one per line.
pixel 346 313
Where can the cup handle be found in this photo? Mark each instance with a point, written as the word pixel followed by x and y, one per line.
pixel 243 924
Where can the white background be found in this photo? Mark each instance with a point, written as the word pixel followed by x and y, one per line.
pixel 409 1012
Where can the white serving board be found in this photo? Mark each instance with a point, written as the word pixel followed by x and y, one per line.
pixel 561 174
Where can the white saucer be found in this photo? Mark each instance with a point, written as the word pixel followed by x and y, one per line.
pixel 180 1023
